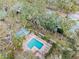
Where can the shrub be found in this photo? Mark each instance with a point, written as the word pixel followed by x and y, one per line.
pixel 17 42
pixel 50 22
pixel 65 5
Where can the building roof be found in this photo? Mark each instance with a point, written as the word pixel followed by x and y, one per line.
pixel 22 32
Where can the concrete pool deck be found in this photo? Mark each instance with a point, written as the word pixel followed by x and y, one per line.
pixel 42 51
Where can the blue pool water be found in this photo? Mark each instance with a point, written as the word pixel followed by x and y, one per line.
pixel 33 42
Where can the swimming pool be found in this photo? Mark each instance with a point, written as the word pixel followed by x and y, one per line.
pixel 34 42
